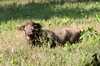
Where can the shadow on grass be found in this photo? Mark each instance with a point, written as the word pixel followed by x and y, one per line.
pixel 42 11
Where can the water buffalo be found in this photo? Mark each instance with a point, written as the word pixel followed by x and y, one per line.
pixel 34 32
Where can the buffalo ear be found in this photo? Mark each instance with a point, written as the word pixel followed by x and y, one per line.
pixel 20 27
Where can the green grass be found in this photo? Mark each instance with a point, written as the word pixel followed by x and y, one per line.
pixel 14 49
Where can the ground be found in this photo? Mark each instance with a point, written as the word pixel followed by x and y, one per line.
pixel 15 50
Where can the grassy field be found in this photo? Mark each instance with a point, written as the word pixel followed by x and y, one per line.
pixel 14 49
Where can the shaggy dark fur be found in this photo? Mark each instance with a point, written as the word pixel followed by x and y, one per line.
pixel 34 32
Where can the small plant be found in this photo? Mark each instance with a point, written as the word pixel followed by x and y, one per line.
pixel 82 59
pixel 97 18
pixel 95 59
pixel 90 32
pixel 1 56
pixel 14 61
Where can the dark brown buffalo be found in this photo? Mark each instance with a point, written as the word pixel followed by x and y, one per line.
pixel 34 32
